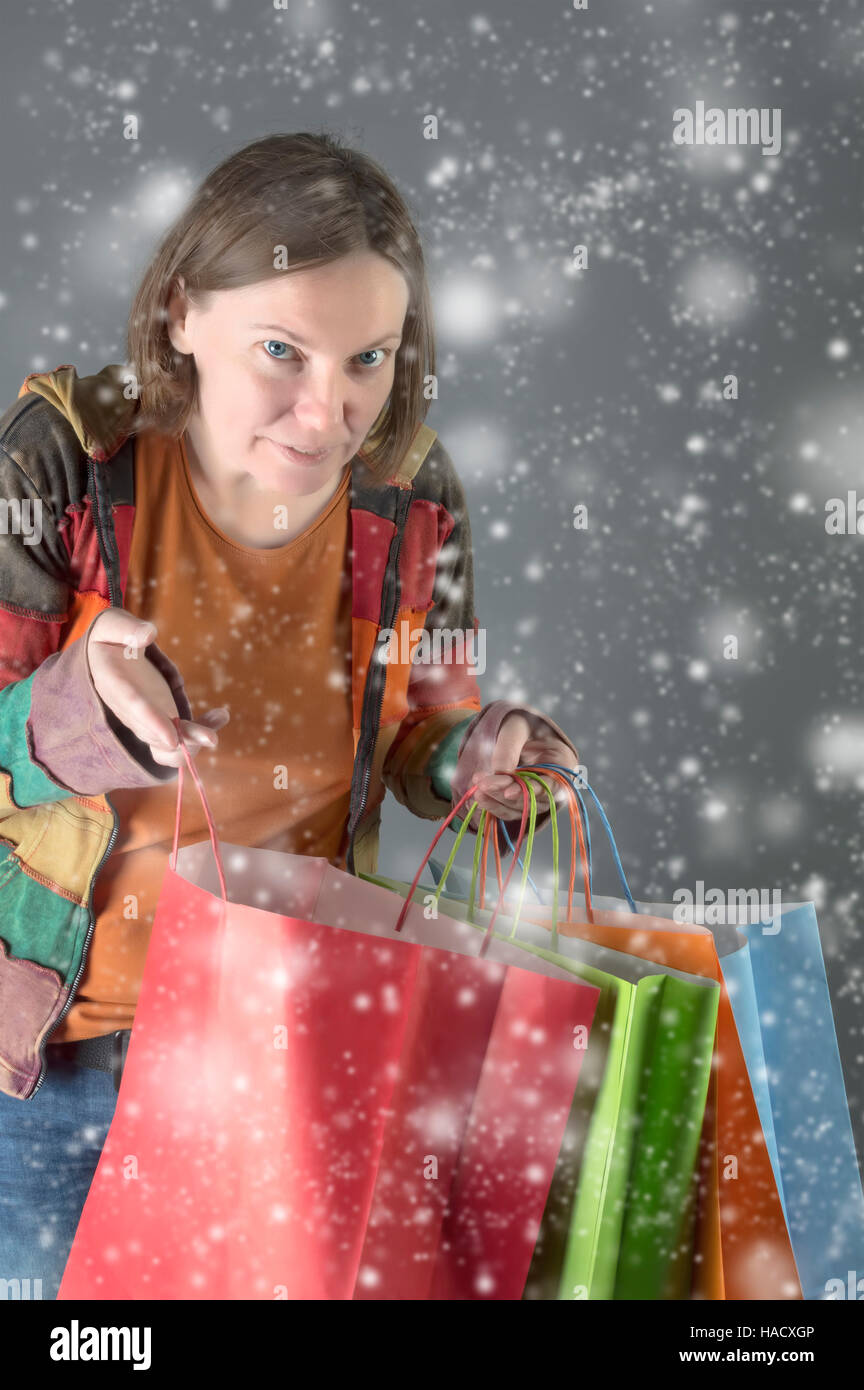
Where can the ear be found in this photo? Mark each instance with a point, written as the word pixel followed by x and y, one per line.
pixel 175 316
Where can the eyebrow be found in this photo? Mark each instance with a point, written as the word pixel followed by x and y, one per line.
pixel 288 333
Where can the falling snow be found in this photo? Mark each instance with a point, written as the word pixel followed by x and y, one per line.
pixel 559 385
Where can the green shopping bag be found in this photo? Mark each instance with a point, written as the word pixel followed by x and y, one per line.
pixel 619 1214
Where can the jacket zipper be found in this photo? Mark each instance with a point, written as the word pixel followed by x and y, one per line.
pixel 113 597
pixel 373 694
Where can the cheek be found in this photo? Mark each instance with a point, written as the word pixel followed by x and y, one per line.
pixel 377 397
pixel 242 399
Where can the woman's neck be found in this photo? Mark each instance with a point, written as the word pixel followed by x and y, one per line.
pixel 254 516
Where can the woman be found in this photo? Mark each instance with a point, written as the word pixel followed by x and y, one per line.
pixel 264 498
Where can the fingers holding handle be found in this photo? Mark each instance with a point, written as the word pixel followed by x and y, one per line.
pixel 143 688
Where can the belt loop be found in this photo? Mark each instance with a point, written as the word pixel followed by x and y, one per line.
pixel 120 1041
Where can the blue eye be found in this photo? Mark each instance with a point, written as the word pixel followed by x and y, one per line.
pixel 281 355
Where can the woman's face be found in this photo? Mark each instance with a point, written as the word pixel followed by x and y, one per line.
pixel 304 360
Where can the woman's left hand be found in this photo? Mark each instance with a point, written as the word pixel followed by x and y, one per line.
pixel 522 740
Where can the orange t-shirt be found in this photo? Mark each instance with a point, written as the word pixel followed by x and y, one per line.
pixel 267 634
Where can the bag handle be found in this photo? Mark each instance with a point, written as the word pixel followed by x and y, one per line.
pixel 481 838
pixel 493 822
pixel 571 776
pixel 526 775
pixel 400 922
pixel 576 830
pixel 567 777
pixel 525 781
pixel 211 827
pixel 175 720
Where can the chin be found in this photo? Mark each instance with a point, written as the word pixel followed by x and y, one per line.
pixel 284 475
pixel 298 487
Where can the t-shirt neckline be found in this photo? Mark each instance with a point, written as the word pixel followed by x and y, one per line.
pixel 260 552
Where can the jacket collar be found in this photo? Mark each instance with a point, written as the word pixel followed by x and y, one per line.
pixel 95 406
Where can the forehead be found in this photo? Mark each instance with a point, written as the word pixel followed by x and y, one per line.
pixel 351 288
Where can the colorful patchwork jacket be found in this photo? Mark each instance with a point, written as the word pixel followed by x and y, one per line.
pixel 67 456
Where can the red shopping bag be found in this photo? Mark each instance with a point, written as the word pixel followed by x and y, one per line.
pixel 473 1236
pixel 312 1112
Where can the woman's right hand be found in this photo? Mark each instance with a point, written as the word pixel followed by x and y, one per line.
pixel 127 681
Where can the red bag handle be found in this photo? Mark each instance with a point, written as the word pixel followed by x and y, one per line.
pixel 459 804
pixel 175 720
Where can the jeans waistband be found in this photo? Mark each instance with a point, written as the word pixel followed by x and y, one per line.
pixel 105 1053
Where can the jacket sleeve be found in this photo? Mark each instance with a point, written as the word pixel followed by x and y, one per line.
pixel 448 735
pixel 443 697
pixel 57 737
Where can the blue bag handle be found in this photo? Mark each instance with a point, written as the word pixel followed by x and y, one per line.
pixel 571 777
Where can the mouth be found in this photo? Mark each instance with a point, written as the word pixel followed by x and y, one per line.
pixel 302 456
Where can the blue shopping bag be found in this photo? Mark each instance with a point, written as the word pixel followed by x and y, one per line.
pixel 803 1093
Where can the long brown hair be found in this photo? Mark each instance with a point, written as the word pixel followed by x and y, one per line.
pixel 319 199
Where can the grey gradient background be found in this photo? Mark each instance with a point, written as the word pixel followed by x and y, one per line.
pixel 706 517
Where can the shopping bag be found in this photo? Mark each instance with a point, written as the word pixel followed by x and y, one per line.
pixel 771 959
pixel 779 992
pixel 628 1233
pixel 743 1248
pixel 630 1149
pixel 305 1107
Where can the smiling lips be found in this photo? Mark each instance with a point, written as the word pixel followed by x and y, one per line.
pixel 300 455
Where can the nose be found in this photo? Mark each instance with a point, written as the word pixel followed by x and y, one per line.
pixel 319 404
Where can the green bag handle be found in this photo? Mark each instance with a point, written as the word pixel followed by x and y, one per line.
pixel 526 776
pixel 579 840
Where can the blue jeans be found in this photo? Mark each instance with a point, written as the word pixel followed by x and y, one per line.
pixel 49 1149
